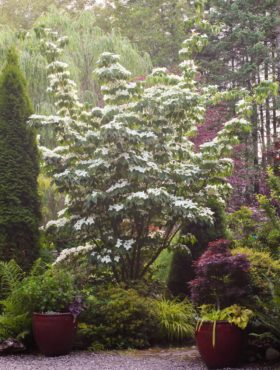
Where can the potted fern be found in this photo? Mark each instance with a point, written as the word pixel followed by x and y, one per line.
pixel 220 286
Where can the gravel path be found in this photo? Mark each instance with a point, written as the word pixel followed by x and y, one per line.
pixel 161 359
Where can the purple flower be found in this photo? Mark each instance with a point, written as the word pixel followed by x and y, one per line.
pixel 77 306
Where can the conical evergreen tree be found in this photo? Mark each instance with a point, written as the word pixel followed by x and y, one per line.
pixel 19 168
pixel 182 268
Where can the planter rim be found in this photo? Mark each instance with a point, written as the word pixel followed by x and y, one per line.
pixel 52 313
pixel 217 322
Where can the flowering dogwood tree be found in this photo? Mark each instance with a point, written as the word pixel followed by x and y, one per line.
pixel 131 174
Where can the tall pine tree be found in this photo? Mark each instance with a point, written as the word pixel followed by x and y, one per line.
pixel 244 54
pixel 19 169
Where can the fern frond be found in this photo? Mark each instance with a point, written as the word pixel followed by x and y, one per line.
pixel 10 276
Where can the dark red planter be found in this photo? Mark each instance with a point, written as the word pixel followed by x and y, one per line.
pixel 228 348
pixel 54 333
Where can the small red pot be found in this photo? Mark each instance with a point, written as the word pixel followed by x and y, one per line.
pixel 54 333
pixel 228 344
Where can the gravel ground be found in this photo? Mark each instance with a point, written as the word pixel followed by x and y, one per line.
pixel 161 359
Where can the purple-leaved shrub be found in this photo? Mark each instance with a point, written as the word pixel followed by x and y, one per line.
pixel 221 278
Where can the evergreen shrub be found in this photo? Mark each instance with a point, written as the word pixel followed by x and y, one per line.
pixel 116 318
pixel 264 271
pixel 19 169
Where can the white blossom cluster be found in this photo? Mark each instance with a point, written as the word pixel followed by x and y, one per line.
pixel 73 252
pixel 59 223
pixel 83 222
pixel 126 244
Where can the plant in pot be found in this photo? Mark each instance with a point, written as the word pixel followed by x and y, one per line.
pixel 220 289
pixel 55 307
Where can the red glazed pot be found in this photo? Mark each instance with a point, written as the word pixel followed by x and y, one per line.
pixel 54 333
pixel 228 347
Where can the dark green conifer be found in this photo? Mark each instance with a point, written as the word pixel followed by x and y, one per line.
pixel 19 169
pixel 182 269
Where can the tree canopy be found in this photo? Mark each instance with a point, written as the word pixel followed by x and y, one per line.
pixel 131 173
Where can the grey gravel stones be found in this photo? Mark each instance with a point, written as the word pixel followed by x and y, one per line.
pixel 153 359
pixel 92 361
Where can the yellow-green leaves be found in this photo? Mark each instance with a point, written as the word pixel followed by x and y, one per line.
pixel 264 90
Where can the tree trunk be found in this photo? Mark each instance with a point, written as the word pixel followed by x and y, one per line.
pixel 277 42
